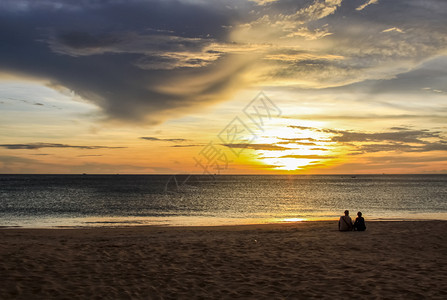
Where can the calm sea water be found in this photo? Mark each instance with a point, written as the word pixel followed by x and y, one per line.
pixel 116 200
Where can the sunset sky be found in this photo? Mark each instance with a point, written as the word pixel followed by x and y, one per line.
pixel 161 86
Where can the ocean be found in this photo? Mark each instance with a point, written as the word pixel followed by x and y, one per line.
pixel 129 200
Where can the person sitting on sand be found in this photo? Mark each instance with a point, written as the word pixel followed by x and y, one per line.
pixel 359 223
pixel 345 222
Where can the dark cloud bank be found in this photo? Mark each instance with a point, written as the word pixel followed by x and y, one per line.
pixel 134 59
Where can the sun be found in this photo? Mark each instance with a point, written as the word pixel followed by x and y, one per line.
pixel 287 164
pixel 299 147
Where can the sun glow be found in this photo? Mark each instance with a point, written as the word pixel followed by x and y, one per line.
pixel 288 164
pixel 293 219
pixel 298 146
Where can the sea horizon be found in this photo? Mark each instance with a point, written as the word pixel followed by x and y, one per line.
pixel 226 174
pixel 108 200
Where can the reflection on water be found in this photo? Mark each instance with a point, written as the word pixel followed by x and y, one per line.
pixel 292 219
pixel 46 222
pixel 64 200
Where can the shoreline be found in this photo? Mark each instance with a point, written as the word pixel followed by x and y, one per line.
pixel 309 259
pixel 228 227
pixel 204 222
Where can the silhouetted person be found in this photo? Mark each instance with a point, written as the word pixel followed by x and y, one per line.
pixel 345 222
pixel 359 223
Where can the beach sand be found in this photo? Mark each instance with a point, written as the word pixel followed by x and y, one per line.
pixel 394 260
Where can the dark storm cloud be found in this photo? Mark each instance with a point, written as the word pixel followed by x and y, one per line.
pixel 134 59
pixel 34 146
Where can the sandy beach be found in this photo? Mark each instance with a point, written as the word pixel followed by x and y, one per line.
pixel 394 260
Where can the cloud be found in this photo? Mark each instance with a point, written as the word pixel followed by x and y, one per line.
pixel 297 143
pixel 265 166
pixel 139 61
pixel 404 136
pixel 300 141
pixel 6 159
pixel 367 53
pixel 296 56
pixel 318 10
pixel 400 128
pixel 367 3
pixel 150 61
pixel 174 140
pixel 399 134
pixel 406 159
pixel 267 147
pixel 400 139
pixel 263 2
pixel 393 29
pixel 159 51
pixel 187 146
pixel 303 127
pixel 150 138
pixel 34 146
pixel 282 20
pixel 366 117
pixel 429 76
pixel 397 147
pixel 307 156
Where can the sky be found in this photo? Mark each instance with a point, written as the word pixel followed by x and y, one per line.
pixel 223 86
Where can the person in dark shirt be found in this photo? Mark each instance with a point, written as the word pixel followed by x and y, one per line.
pixel 359 223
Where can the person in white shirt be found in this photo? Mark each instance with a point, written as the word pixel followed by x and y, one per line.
pixel 345 222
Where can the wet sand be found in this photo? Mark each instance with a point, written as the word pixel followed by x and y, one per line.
pixel 394 260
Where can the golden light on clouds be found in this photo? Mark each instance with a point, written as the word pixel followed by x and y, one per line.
pixel 287 147
pixel 362 86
